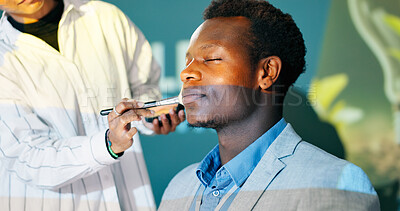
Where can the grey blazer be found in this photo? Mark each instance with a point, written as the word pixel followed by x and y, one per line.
pixel 292 175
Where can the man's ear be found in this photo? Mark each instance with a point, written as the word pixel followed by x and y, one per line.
pixel 268 72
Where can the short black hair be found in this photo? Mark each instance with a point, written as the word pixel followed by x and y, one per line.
pixel 274 33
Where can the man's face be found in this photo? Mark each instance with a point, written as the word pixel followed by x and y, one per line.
pixel 22 7
pixel 218 80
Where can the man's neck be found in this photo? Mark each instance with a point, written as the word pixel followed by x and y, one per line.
pixel 48 6
pixel 236 137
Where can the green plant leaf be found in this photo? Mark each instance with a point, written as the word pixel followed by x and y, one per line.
pixel 393 22
pixel 324 91
pixel 395 53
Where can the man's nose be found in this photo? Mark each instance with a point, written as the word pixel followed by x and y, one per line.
pixel 190 73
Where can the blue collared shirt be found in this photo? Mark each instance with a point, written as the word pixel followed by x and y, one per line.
pixel 218 181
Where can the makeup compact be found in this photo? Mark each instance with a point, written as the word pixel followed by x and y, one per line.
pixel 159 110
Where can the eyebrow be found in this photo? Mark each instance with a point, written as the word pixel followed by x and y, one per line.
pixel 211 45
pixel 206 46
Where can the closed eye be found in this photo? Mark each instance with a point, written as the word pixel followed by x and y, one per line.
pixel 215 59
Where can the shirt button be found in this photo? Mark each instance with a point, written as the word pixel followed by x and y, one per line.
pixel 215 193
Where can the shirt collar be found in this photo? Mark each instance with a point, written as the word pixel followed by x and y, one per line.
pixel 243 164
pixel 8 33
pixel 209 166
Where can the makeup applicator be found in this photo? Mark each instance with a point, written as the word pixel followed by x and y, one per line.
pixel 151 104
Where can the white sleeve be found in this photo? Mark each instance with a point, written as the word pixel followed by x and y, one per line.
pixel 143 71
pixel 34 150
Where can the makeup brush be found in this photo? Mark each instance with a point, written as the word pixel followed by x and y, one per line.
pixel 166 101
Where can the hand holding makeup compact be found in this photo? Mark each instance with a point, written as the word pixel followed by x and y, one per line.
pixel 159 110
pixel 164 119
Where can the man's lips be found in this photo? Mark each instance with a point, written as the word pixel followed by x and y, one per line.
pixel 190 98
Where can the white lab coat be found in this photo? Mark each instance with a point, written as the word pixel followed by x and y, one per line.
pixel 52 141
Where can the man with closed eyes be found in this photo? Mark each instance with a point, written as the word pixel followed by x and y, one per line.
pixel 240 63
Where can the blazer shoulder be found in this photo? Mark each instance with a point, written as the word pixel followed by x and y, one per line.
pixel 324 170
pixel 353 178
pixel 316 156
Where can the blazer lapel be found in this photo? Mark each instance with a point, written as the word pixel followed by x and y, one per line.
pixel 266 170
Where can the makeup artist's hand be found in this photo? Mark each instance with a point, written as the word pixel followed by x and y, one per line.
pixel 119 121
pixel 166 125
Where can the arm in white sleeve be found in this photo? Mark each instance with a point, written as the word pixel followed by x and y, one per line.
pixel 36 152
pixel 143 71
